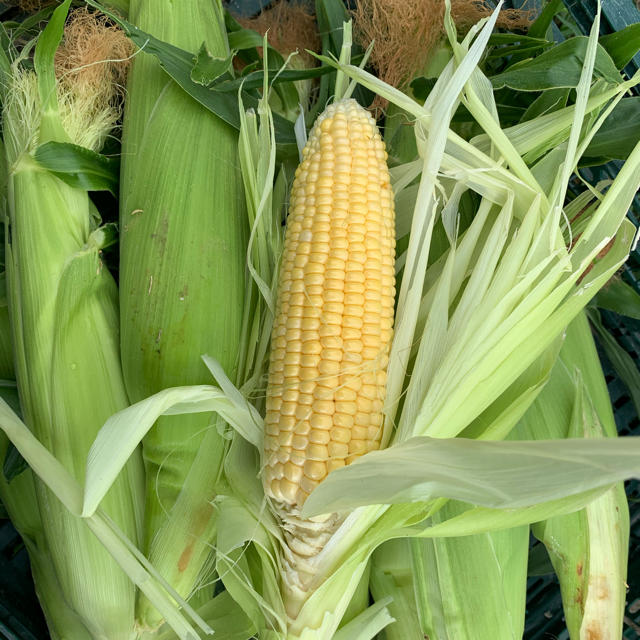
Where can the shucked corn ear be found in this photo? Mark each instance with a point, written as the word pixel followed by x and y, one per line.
pixel 334 314
pixel 183 247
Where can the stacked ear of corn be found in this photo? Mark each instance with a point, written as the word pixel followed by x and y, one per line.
pixel 512 274
pixel 183 248
pixel 63 304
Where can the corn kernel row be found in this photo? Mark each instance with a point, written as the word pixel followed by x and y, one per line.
pixel 334 316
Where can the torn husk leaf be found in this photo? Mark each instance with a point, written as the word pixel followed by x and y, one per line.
pixel 291 29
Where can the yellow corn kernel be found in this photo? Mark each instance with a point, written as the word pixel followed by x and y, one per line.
pixel 337 286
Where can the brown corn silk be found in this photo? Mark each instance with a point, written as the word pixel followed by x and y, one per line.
pixel 405 32
pixel 29 6
pixel 95 50
pixel 290 26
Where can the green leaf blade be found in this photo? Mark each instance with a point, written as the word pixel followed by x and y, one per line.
pixel 491 474
pixel 559 67
pixel 80 167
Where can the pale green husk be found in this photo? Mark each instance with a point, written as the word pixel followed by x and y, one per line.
pixel 64 319
pixel 182 281
pixel 588 548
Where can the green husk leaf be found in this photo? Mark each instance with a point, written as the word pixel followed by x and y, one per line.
pixel 542 23
pixel 472 582
pixel 622 362
pixel 80 167
pixel 254 585
pixel 502 475
pixel 331 15
pixel 40 460
pixel 533 138
pixel 50 126
pixel 623 44
pixel 122 433
pixel 620 132
pixel 225 616
pixel 242 39
pixel 549 101
pixel 30 25
pixel 559 190
pixel 368 624
pixel 482 519
pixel 619 297
pixel 518 38
pixel 559 67
pixel 445 96
pixel 248 421
pixel 254 80
pixel 208 68
pixel 497 421
pixel 121 6
pixel 392 575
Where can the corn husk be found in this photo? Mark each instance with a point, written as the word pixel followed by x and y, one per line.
pixel 183 243
pixel 18 494
pixel 6 349
pixel 588 548
pixel 63 310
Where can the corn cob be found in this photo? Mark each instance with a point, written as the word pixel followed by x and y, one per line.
pixel 183 246
pixel 332 329
pixel 334 316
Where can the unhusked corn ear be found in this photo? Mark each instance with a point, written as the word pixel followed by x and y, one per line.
pixel 334 315
pixel 183 246
pixel 63 312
